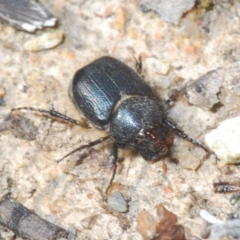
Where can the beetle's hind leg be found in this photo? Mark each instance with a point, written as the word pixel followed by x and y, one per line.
pixel 183 135
pixel 51 113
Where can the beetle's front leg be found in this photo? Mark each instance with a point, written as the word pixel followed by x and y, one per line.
pixel 113 157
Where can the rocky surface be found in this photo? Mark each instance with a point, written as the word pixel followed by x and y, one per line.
pixel 71 194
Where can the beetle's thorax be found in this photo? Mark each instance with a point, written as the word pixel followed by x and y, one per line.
pixel 137 122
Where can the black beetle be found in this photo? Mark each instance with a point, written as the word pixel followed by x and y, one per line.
pixel 115 98
pixel 112 96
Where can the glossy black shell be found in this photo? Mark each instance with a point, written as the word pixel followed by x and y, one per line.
pixel 132 115
pixel 97 88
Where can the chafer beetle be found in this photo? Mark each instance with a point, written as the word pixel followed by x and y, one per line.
pixel 114 98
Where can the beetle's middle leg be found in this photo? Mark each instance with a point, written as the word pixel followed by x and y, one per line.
pixel 88 145
pixel 51 113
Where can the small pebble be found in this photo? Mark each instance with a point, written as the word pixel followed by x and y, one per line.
pixel 161 67
pixel 120 19
pixel 47 40
pixel 171 11
pixel 187 160
pixel 117 202
pixel 2 92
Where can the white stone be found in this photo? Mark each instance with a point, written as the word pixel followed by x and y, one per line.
pixel 225 141
pixel 159 66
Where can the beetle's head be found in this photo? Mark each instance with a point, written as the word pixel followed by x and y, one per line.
pixel 153 143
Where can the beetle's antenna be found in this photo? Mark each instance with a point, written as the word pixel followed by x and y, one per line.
pixel 89 145
pixel 51 113
pixel 183 135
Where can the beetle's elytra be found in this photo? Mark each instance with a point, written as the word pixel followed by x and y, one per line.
pixel 114 98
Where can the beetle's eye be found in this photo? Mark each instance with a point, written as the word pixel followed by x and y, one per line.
pixel 151 135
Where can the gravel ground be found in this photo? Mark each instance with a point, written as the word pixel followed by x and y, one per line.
pixel 70 194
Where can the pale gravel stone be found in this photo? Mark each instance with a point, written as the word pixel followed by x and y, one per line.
pixel 160 66
pixel 170 11
pixel 225 141
pixel 117 202
pixel 46 40
pixel 73 191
